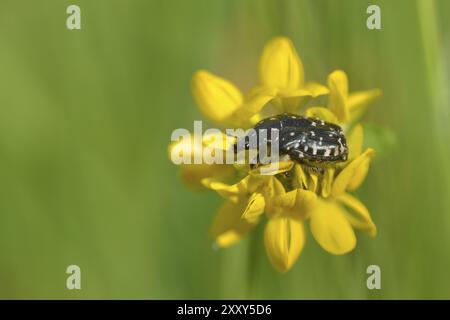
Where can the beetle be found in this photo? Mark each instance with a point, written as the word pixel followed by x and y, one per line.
pixel 311 142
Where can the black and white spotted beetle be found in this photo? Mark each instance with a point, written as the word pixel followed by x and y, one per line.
pixel 311 142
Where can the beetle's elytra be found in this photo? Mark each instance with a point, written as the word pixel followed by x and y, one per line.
pixel 309 141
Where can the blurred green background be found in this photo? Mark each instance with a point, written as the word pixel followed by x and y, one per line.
pixel 86 116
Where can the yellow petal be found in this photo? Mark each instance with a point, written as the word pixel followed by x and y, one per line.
pixel 355 141
pixel 358 216
pixel 252 106
pixel 280 66
pixel 255 206
pixel 271 188
pixel 296 203
pixel 284 239
pixel 309 89
pixel 358 101
pixel 321 113
pixel 331 229
pixel 360 175
pixel 228 227
pixel 294 99
pixel 313 181
pixel 316 89
pixel 193 174
pixel 272 169
pixel 216 97
pixel 337 103
pixel 353 174
pixel 231 192
pixel 300 180
pixel 235 192
pixel 256 183
pixel 327 181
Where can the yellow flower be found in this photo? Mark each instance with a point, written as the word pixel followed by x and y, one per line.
pixel 284 235
pixel 291 194
pixel 248 199
pixel 245 202
pixel 222 102
pixel 193 173
pixel 217 98
pixel 343 108
pixel 281 69
pixel 282 82
pixel 337 212
pixel 334 217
